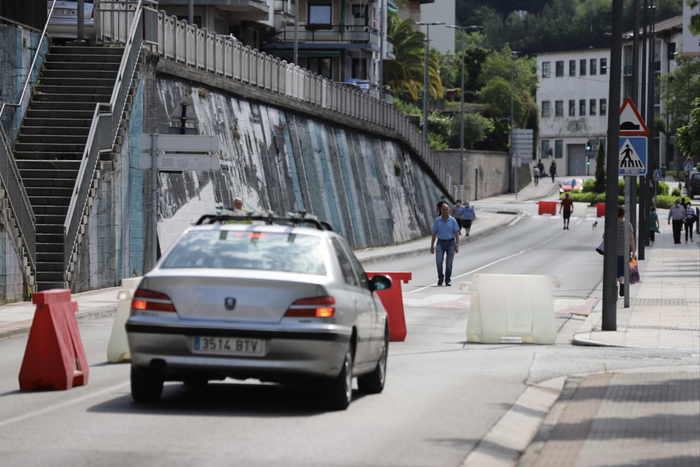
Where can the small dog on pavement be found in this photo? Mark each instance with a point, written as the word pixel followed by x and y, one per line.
pixel 595 225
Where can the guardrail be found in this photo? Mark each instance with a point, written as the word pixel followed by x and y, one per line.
pixel 125 25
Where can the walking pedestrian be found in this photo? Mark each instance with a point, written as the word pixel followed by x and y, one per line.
pixel 468 216
pixel 540 166
pixel 443 200
pixel 567 205
pixel 536 174
pixel 457 214
pixel 690 218
pixel 653 225
pixel 622 257
pixel 553 170
pixel 446 232
pixel 677 215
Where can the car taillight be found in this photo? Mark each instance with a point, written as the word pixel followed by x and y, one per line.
pixel 147 300
pixel 318 307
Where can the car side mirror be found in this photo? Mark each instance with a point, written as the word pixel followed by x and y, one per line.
pixel 380 282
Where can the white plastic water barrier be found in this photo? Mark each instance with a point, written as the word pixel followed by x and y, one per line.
pixel 507 306
pixel 580 210
pixel 118 348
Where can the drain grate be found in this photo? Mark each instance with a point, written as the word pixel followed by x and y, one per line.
pixel 666 328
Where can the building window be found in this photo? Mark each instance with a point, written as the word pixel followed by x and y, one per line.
pixel 572 67
pixel 572 108
pixel 603 107
pixel 594 67
pixel 591 107
pixel 320 66
pixel 545 108
pixel 603 66
pixel 546 69
pixel 560 68
pixel 558 108
pixel 546 150
pixel 582 107
pixel 582 68
pixel 320 16
pixel 558 149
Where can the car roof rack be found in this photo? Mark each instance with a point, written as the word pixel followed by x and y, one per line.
pixel 299 218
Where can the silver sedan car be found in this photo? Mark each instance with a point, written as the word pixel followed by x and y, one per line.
pixel 275 299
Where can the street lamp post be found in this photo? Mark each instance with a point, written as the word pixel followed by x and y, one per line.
pixel 461 105
pixel 425 76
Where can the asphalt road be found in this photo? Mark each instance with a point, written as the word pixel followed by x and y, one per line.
pixel 442 394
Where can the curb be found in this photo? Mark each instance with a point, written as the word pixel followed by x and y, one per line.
pixel 23 327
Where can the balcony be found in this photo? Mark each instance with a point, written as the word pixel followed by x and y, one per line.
pixel 246 10
pixel 344 36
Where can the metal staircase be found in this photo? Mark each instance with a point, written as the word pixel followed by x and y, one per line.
pixel 52 140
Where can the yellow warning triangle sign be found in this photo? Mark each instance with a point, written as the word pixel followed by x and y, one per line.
pixel 631 123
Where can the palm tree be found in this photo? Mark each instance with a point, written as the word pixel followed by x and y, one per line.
pixel 408 69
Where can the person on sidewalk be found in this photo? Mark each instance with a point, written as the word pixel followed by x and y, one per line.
pixel 567 205
pixel 443 200
pixel 677 215
pixel 621 256
pixel 446 231
pixel 690 218
pixel 457 214
pixel 653 225
pixel 536 174
pixel 540 166
pixel 468 216
pixel 553 170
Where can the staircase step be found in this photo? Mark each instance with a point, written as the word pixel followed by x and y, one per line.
pixel 81 50
pixel 49 247
pixel 77 90
pixel 52 267
pixel 49 285
pixel 49 229
pixel 91 56
pixel 49 182
pixel 68 99
pixel 30 121
pixel 50 219
pixel 52 64
pixel 50 191
pixel 47 165
pixel 49 200
pixel 56 105
pixel 43 156
pixel 60 113
pixel 49 257
pixel 61 139
pixel 55 130
pixel 49 237
pixel 52 210
pixel 79 81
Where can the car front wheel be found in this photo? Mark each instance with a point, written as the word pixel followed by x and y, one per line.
pixel 373 383
pixel 146 385
pixel 339 389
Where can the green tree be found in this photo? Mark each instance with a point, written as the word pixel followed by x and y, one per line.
pixel 678 88
pixel 689 135
pixel 406 72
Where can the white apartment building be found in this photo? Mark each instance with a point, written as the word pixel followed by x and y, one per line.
pixel 573 92
pixel 573 104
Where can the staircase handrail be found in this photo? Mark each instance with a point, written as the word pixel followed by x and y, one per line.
pixel 103 133
pixel 18 200
pixel 31 67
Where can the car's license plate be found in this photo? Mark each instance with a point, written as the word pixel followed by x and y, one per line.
pixel 228 345
pixel 62 12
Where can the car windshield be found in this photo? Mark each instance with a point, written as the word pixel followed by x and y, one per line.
pixel 228 249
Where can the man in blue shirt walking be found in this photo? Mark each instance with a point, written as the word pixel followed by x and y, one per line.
pixel 446 232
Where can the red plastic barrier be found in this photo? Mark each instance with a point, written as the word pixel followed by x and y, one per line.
pixel 600 209
pixel 392 300
pixel 548 207
pixel 54 356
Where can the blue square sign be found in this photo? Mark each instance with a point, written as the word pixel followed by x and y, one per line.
pixel 632 159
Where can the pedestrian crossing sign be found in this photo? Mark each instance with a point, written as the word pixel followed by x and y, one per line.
pixel 633 155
